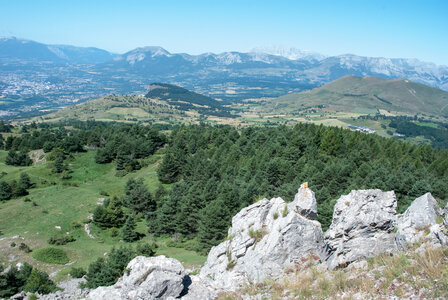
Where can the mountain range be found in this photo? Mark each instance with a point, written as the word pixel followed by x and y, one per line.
pixel 60 75
pixel 14 49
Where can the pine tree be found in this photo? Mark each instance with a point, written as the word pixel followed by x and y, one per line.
pixel 5 191
pixel 214 221
pixel 128 232
pixel 25 180
pixel 137 197
pixel 169 171
pixel 39 282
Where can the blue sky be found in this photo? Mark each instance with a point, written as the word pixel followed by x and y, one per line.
pixel 393 28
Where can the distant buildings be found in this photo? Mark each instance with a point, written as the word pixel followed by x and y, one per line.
pixel 361 128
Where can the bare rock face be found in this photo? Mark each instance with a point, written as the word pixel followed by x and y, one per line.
pixel 362 224
pixel 420 222
pixel 305 202
pixel 265 238
pixel 148 278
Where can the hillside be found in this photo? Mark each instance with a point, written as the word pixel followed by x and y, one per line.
pixel 367 95
pixel 163 103
pixel 192 183
pixel 185 100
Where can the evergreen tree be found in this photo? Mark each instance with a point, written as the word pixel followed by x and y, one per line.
pixel 170 170
pixel 25 181
pixel 128 232
pixel 5 191
pixel 39 282
pixel 137 197
pixel 13 281
pixel 58 164
pixel 214 221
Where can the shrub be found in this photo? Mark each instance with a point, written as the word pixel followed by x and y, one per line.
pixel 75 224
pixel 114 232
pixel 257 235
pixel 61 240
pixel 13 244
pixel 51 255
pixel 32 297
pixel 77 272
pixel 146 249
pixel 24 247
pixel 285 211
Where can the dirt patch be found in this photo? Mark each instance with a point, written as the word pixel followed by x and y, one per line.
pixel 10 255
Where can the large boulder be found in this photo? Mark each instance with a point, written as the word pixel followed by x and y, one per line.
pixel 422 221
pixel 362 224
pixel 265 238
pixel 147 278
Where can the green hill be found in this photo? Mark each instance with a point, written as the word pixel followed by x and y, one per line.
pixel 367 95
pixel 164 103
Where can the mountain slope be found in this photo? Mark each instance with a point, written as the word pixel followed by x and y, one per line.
pixel 366 94
pixel 12 48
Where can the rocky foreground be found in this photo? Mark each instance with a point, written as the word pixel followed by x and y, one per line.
pixel 276 249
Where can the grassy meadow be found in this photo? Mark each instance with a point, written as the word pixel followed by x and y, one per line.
pixel 67 204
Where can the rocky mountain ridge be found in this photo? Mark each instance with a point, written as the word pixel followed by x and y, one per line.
pixel 271 237
pixel 62 74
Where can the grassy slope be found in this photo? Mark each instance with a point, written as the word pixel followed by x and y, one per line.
pixel 119 108
pixel 358 95
pixel 59 205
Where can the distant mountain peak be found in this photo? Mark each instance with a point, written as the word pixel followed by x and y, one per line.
pixel 141 53
pixel 288 52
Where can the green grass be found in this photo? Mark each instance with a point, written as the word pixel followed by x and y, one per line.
pixel 66 202
pixel 427 124
pixel 51 255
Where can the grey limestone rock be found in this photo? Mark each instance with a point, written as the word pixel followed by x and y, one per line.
pixel 265 238
pixel 148 278
pixel 420 222
pixel 305 202
pixel 362 224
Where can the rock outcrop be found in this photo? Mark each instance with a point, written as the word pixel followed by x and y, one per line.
pixel 148 278
pixel 271 236
pixel 265 238
pixel 422 221
pixel 362 224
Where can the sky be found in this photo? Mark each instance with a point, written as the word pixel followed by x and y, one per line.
pixel 392 28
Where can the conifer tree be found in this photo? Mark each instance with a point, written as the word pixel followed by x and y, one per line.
pixel 128 232
pixel 137 197
pixel 5 191
pixel 214 221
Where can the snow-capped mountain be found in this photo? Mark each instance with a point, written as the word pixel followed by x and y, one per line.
pixel 289 53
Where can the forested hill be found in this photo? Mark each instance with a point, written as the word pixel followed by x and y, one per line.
pixel 185 100
pixel 211 172
pixel 219 170
pixel 363 94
